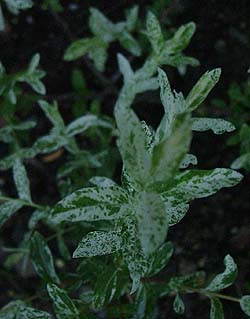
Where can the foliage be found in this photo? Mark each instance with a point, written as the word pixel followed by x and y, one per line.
pixel 118 227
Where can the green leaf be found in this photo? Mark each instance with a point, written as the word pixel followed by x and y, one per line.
pixel 98 243
pixel 105 287
pixel 131 18
pixel 241 162
pixel 218 126
pixel 83 123
pixel 90 204
pixel 245 304
pixel 225 279
pixel 21 181
pixel 49 143
pixel 78 49
pixel 159 259
pixel 181 38
pixel 202 88
pixel 129 43
pixel 178 305
pixel 34 62
pixel 21 153
pixel 154 33
pixel 152 221
pixel 216 310
pixel 42 259
pixel 8 209
pixel 64 306
pixel 99 55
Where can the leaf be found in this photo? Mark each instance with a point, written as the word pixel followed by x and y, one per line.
pixel 42 259
pixel 83 123
pixel 64 306
pixel 216 310
pixel 34 62
pixel 202 88
pixel 90 204
pixel 241 161
pixel 18 310
pixel 125 68
pixel 78 49
pixel 152 221
pixel 49 143
pixel 154 33
pixel 132 252
pixel 105 288
pixel 101 181
pixel 132 144
pixel 8 209
pixel 225 279
pixel 99 55
pixel 159 258
pixel 131 18
pixel 189 159
pixel 245 304
pixel 21 181
pixel 98 243
pixel 193 184
pixel 129 43
pixel 218 126
pixel 101 26
pixel 21 153
pixel 52 113
pixel 181 38
pixel 15 5
pixel 178 305
pixel 169 153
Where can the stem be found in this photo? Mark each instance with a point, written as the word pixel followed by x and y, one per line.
pixel 213 294
pixel 24 202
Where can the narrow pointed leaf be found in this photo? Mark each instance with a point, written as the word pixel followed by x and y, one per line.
pixel 202 88
pixel 178 305
pixel 21 181
pixel 8 209
pixel 42 259
pixel 216 310
pixel 64 306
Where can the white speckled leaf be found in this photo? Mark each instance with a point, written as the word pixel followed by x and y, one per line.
pixel 18 310
pixel 154 33
pixel 64 306
pixel 193 184
pixel 98 243
pixel 21 181
pixel 16 5
pixel 245 304
pixel 218 126
pixel 42 259
pixel 152 221
pixel 202 88
pixel 8 209
pixel 216 310
pixel 53 114
pixel 83 123
pixel 132 252
pixel 226 278
pixel 101 26
pixel 181 37
pixel 125 68
pixel 168 154
pixel 102 181
pixel 90 204
pixel 241 161
pixel 189 159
